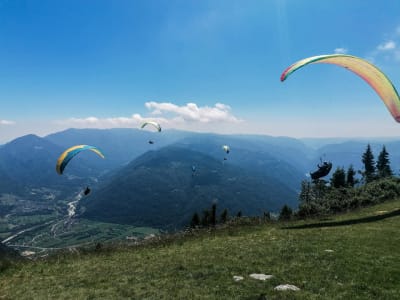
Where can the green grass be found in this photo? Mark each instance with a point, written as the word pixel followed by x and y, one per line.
pixel 365 264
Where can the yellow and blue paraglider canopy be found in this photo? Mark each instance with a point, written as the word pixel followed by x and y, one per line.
pixel 68 154
pixel 154 124
pixel 367 71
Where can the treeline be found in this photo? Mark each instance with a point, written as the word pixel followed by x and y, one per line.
pixel 211 218
pixel 345 191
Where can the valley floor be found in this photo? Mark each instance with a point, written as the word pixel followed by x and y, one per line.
pixel 362 263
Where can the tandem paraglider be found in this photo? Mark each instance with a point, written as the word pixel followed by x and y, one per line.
pixel 323 170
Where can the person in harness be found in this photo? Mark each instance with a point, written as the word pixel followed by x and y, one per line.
pixel 323 170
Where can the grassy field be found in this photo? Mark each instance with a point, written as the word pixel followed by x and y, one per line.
pixel 364 264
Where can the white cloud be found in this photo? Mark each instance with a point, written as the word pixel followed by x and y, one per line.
pixel 169 115
pixel 6 122
pixel 388 51
pixel 193 113
pixel 387 46
pixel 341 50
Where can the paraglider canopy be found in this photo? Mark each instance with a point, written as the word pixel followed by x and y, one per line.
pixel 226 148
pixel 367 71
pixel 70 153
pixel 154 124
pixel 322 171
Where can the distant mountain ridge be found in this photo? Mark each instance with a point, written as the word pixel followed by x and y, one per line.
pixel 280 163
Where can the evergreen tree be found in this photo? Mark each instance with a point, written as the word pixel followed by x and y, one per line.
pixel 338 178
pixel 369 165
pixel 306 192
pixel 239 214
pixel 383 164
pixel 213 216
pixel 224 216
pixel 350 179
pixel 195 220
pixel 286 213
pixel 205 221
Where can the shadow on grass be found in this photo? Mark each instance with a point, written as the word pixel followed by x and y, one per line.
pixel 348 222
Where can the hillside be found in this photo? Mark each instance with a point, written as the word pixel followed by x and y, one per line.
pixel 29 161
pixel 362 263
pixel 159 189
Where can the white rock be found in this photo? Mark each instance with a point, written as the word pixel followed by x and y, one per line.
pixel 329 250
pixel 286 287
pixel 27 253
pixel 238 278
pixel 260 276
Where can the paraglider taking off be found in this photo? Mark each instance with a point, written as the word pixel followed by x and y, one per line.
pixel 68 154
pixel 322 171
pixel 367 71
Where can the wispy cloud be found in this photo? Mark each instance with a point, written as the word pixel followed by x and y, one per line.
pixel 340 50
pixel 6 122
pixel 387 46
pixel 189 116
pixel 387 49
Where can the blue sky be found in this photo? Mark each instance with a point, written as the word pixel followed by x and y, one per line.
pixel 194 65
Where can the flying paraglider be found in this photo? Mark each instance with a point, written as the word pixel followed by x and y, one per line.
pixel 322 171
pixel 68 154
pixel 193 170
pixel 87 191
pixel 154 124
pixel 226 148
pixel 367 71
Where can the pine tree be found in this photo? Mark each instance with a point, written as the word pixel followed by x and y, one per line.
pixel 213 216
pixel 305 193
pixel 205 221
pixel 195 220
pixel 369 165
pixel 338 178
pixel 383 164
pixel 224 216
pixel 286 213
pixel 350 179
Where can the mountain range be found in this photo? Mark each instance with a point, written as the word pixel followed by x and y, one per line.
pixel 138 180
pixel 163 188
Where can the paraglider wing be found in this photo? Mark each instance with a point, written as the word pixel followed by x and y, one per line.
pixel 68 154
pixel 367 71
pixel 226 148
pixel 155 124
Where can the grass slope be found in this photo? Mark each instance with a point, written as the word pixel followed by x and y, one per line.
pixel 364 265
